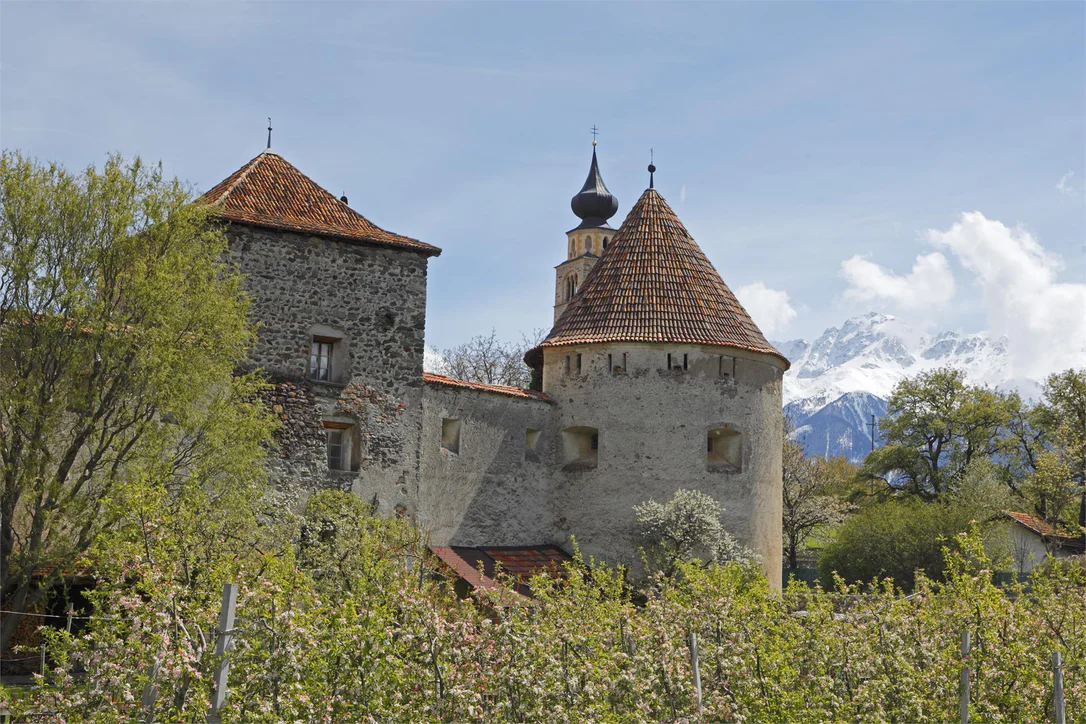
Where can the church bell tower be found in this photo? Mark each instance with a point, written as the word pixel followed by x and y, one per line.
pixel 586 242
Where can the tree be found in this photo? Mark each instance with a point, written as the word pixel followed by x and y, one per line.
pixel 1054 446
pixel 120 330
pixel 899 536
pixel 935 427
pixel 808 503
pixel 487 359
pixel 685 528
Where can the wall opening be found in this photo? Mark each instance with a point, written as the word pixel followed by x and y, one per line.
pixel 327 354
pixel 531 439
pixel 450 436
pixel 578 364
pixel 580 448
pixel 341 445
pixel 686 362
pixel 726 366
pixel 725 450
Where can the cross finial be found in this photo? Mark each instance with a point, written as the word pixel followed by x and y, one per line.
pixel 595 133
pixel 269 131
pixel 652 167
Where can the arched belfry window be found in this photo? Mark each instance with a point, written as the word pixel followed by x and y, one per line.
pixel 571 286
pixel 605 243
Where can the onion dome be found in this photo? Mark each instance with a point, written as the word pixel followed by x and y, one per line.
pixel 594 204
pixel 655 284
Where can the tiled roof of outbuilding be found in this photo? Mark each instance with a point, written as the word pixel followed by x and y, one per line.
pixel 654 284
pixel 499 389
pixel 520 562
pixel 269 191
pixel 1040 526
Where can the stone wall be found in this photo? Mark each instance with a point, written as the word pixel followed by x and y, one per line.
pixel 494 490
pixel 374 299
pixel 652 425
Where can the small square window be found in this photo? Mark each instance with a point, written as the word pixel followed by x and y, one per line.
pixel 531 439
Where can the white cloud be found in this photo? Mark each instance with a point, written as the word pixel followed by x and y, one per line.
pixel 432 360
pixel 1064 185
pixel 927 287
pixel 1044 319
pixel 770 309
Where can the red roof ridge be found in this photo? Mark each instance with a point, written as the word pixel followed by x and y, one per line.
pixel 269 191
pixel 509 390
pixel 1038 525
pixel 245 171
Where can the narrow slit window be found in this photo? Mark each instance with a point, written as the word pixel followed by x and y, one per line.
pixel 568 362
pixel 610 363
pixel 686 361
pixel 578 364
pixel 669 360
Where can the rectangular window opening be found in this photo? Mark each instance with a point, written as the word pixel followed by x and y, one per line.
pixel 341 445
pixel 450 436
pixel 669 360
pixel 686 361
pixel 578 364
pixel 568 362
pixel 531 439
pixel 320 359
pixel 580 448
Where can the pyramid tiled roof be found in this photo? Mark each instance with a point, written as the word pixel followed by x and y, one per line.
pixel 654 284
pixel 270 192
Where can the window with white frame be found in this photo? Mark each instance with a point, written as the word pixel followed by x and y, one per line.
pixel 320 358
pixel 341 445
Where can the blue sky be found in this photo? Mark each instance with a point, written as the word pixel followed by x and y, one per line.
pixel 790 138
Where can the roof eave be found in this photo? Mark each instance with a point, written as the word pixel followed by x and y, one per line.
pixel 426 249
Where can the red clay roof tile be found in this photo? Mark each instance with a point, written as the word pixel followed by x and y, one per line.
pixel 269 191
pixel 500 389
pixel 654 284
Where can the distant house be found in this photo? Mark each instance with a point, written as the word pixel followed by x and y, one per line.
pixel 1033 540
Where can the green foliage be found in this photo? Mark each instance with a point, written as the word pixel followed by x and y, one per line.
pixel 399 647
pixel 120 330
pixel 935 427
pixel 685 528
pixel 905 534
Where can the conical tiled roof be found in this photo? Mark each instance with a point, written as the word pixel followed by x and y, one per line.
pixel 270 192
pixel 654 284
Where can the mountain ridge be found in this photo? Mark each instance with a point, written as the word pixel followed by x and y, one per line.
pixel 849 372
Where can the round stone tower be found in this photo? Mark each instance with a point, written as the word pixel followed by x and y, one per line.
pixel 661 382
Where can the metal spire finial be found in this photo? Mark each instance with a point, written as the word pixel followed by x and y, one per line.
pixel 652 167
pixel 269 132
pixel 594 134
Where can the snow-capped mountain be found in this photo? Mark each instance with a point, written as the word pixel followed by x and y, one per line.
pixel 838 381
